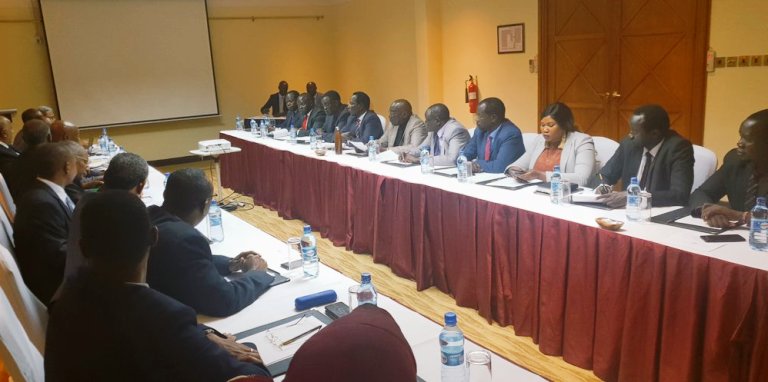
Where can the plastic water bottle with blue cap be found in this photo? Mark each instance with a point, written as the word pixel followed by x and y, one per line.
pixel 426 160
pixel 373 148
pixel 309 257
pixel 215 225
pixel 758 226
pixel 238 123
pixel 366 292
pixel 452 351
pixel 461 168
pixel 634 200
pixel 555 189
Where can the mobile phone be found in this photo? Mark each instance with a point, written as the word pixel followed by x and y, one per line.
pixel 722 238
pixel 292 265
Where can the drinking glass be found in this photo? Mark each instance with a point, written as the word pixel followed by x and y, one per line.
pixel 353 297
pixel 479 366
pixel 293 253
pixel 645 206
pixel 565 192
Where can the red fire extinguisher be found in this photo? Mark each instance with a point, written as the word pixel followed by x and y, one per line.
pixel 470 94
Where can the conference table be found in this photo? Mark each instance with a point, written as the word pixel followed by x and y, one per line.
pixel 649 302
pixel 277 302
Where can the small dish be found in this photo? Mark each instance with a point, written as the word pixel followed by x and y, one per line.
pixel 320 152
pixel 609 224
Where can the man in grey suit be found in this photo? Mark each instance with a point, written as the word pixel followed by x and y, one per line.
pixel 404 131
pixel 446 137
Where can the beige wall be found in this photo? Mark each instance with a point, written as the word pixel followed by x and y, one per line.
pixel 739 27
pixel 422 50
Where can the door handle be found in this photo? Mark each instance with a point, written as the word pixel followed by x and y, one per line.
pixel 615 94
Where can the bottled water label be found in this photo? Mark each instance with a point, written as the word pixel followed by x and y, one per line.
pixel 759 231
pixel 452 356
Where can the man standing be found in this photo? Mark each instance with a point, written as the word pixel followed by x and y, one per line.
pixel 445 137
pixel 42 220
pixel 659 157
pixel 405 129
pixel 497 142
pixel 313 93
pixel 336 114
pixel 313 117
pixel 362 123
pixel 181 264
pixel 276 102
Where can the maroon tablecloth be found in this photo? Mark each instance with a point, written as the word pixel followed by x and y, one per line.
pixel 627 308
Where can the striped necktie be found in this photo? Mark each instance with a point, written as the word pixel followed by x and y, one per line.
pixel 751 194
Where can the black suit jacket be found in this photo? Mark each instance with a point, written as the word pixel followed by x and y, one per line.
pixel 9 157
pixel 40 232
pixel 730 179
pixel 331 121
pixel 274 103
pixel 22 176
pixel 671 175
pixel 370 126
pixel 104 332
pixel 316 121
pixel 181 265
pixel 292 117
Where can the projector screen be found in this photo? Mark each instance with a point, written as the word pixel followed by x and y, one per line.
pixel 130 61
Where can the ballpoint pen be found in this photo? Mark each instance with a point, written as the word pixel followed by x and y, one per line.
pixel 292 340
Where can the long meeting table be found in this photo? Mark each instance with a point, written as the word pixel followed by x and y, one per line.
pixel 650 302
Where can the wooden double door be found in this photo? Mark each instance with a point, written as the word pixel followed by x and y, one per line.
pixel 604 58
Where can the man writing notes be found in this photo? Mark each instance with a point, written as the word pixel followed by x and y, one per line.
pixel 659 157
pixel 363 122
pixel 497 142
pixel 181 264
pixel 445 137
pixel 405 129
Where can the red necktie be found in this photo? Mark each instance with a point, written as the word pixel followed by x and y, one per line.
pixel 304 123
pixel 488 148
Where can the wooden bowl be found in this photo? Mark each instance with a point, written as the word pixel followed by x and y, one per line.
pixel 320 152
pixel 609 224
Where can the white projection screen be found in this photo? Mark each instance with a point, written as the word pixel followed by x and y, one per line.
pixel 121 62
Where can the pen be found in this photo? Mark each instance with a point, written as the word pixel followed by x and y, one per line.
pixel 292 340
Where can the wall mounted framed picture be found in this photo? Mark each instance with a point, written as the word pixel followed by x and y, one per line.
pixel 510 38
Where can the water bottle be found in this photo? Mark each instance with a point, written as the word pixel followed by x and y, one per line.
pixel 373 149
pixel 634 200
pixel 215 226
pixel 104 141
pixel 238 123
pixel 555 189
pixel 461 168
pixel 263 128
pixel 366 293
pixel 292 132
pixel 312 139
pixel 452 351
pixel 425 159
pixel 254 127
pixel 309 257
pixel 758 227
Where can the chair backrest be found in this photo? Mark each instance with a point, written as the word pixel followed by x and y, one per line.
pixel 604 148
pixel 30 312
pixel 20 357
pixel 528 141
pixel 704 165
pixel 383 121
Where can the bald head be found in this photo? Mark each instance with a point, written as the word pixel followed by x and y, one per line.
pixel 6 130
pixel 436 116
pixel 400 112
pixel 64 131
pixel 35 132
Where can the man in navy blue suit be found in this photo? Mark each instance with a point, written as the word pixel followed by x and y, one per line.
pixel 109 325
pixel 181 264
pixel 363 122
pixel 497 142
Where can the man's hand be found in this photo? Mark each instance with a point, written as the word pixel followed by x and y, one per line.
pixel 476 169
pixel 719 216
pixel 93 184
pixel 514 171
pixel 247 261
pixel 532 175
pixel 614 199
pixel 408 158
pixel 237 350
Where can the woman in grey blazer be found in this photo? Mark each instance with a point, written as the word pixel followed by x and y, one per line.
pixel 558 144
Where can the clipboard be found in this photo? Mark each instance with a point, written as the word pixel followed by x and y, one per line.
pixel 280 367
pixel 400 164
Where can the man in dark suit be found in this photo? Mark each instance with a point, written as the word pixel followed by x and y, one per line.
pixel 659 157
pixel 34 133
pixel 336 114
pixel 42 221
pixel 743 177
pixel 313 115
pixel 9 156
pixel 497 142
pixel 292 116
pixel 313 93
pixel 362 122
pixel 26 116
pixel 276 102
pixel 108 325
pixel 181 264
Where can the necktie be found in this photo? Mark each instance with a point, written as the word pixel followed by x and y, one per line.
pixel 488 148
pixel 436 145
pixel 751 195
pixel 646 170
pixel 70 204
pixel 304 122
pixel 357 128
